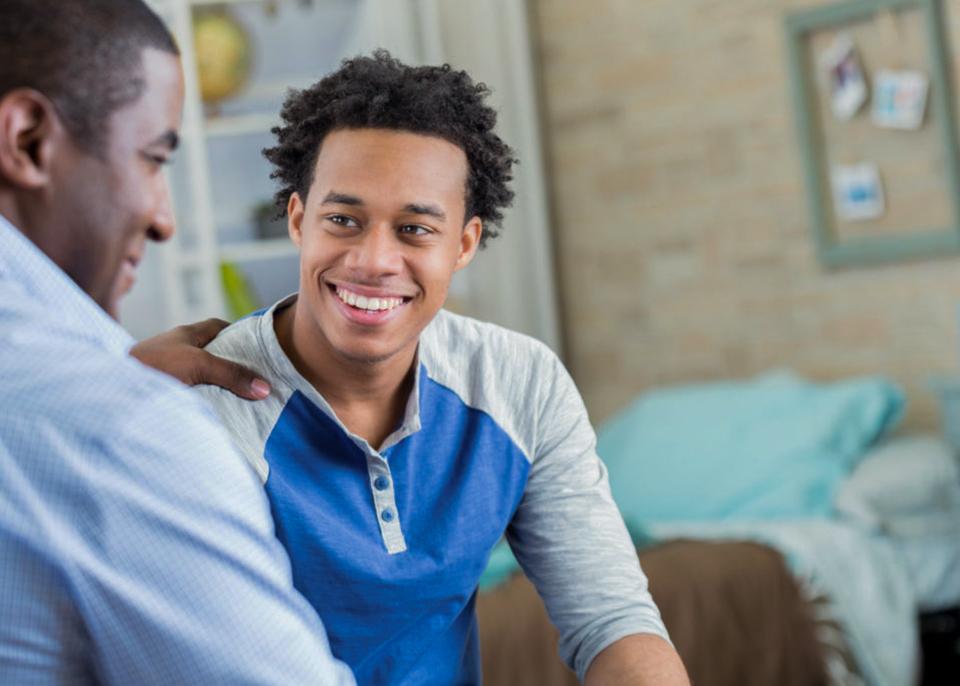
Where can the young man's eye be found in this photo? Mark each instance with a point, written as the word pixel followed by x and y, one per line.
pixel 342 220
pixel 414 230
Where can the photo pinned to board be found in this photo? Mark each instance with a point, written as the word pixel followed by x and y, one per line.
pixel 857 192
pixel 841 67
pixel 899 99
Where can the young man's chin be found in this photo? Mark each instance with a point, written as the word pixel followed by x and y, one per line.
pixel 371 346
pixel 368 354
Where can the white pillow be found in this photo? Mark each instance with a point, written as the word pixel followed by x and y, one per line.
pixel 909 489
pixel 905 486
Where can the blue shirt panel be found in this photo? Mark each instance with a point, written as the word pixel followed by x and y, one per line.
pixel 407 617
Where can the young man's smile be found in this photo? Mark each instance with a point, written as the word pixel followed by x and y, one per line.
pixel 368 306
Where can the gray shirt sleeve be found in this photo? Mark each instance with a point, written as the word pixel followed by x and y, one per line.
pixel 570 538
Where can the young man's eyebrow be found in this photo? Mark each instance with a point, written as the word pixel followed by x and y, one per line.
pixel 168 139
pixel 429 210
pixel 341 199
pixel 337 198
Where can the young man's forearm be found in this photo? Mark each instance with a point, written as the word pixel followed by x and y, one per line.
pixel 637 660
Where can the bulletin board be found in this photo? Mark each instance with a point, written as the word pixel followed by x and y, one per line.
pixel 876 130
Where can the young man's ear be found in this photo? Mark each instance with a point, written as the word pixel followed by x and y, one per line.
pixel 469 242
pixel 29 131
pixel 295 218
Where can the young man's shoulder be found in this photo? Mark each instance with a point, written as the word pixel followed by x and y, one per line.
pixel 468 338
pixel 240 342
pixel 248 422
pixel 505 374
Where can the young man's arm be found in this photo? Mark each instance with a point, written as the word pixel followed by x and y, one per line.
pixel 640 660
pixel 571 540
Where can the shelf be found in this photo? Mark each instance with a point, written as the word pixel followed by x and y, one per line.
pixel 192 260
pixel 248 251
pixel 240 125
pixel 204 3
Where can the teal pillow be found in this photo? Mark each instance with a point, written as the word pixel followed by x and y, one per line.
pixel 777 447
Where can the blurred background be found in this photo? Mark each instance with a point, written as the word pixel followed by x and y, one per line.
pixel 738 223
pixel 661 233
pixel 680 215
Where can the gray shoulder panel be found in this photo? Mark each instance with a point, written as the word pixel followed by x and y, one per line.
pixel 248 422
pixel 492 369
pixel 567 533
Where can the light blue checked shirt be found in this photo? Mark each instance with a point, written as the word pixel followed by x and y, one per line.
pixel 136 547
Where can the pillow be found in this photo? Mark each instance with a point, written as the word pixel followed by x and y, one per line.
pixel 777 446
pixel 907 487
pixel 904 476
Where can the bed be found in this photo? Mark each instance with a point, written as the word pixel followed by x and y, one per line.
pixel 794 541
pixel 733 610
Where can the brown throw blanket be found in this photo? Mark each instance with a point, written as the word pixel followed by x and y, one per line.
pixel 733 611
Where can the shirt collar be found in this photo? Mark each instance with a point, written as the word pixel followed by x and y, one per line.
pixel 283 367
pixel 39 279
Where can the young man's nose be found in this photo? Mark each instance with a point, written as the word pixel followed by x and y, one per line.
pixel 378 251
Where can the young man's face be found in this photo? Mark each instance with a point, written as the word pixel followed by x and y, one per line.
pixel 112 206
pixel 380 236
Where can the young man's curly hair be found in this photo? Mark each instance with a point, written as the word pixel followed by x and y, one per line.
pixel 381 92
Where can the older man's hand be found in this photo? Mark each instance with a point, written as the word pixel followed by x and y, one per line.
pixel 179 353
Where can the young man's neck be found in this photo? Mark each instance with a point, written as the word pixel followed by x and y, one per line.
pixel 369 397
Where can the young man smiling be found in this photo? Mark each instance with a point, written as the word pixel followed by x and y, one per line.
pixel 400 441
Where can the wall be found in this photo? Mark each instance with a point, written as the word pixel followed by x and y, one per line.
pixel 683 244
pixel 510 282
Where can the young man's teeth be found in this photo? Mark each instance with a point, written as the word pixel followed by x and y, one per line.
pixel 364 303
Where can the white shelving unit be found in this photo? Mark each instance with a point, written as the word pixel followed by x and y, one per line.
pixel 219 175
pixel 262 249
pixel 239 125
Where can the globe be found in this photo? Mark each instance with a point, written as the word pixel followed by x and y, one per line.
pixel 223 53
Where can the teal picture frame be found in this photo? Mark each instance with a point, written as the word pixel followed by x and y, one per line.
pixel 919 243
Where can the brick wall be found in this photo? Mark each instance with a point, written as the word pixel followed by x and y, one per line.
pixel 684 249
